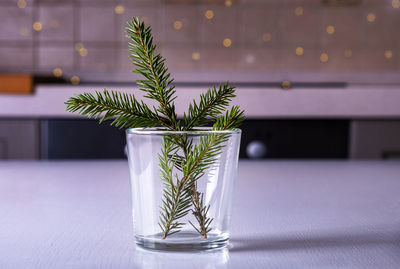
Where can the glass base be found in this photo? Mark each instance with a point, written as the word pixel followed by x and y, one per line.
pixel 182 241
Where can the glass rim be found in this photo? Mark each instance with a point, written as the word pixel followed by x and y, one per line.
pixel 196 131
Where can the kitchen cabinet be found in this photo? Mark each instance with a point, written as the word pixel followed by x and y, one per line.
pixel 356 121
pixel 81 139
pixel 295 139
pixel 375 139
pixel 19 139
pixel 290 139
pixel 73 138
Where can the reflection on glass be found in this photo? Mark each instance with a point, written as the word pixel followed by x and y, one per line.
pixel 211 259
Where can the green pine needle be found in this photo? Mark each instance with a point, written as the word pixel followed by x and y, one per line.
pixel 123 108
pixel 211 105
pixel 177 201
pixel 157 82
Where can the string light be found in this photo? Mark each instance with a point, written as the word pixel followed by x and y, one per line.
pixel 299 11
pixel 286 84
pixel 75 80
pixel 37 26
pixel 330 29
pixel 119 9
pixel 388 54
pixel 266 37
pixel 21 3
pixel 78 46
pixel 323 57
pixel 209 14
pixel 57 72
pixel 178 25
pixel 195 56
pixel 299 51
pixel 348 53
pixel 228 3
pixel 83 52
pixel 371 17
pixel 395 3
pixel 227 42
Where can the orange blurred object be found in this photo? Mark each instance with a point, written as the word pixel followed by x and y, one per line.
pixel 16 83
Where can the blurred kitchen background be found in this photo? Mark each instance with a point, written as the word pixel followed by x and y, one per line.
pixel 317 78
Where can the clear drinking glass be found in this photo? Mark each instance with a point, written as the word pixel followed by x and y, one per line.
pixel 215 185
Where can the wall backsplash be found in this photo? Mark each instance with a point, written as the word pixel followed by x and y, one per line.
pixel 226 35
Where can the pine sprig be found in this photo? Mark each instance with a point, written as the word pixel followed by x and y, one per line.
pixel 180 194
pixel 123 108
pixel 202 157
pixel 204 153
pixel 157 82
pixel 232 118
pixel 211 105
pixel 200 212
pixel 176 201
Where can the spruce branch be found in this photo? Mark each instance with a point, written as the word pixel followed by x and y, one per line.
pixel 202 157
pixel 176 201
pixel 204 153
pixel 157 82
pixel 212 104
pixel 200 212
pixel 180 195
pixel 124 108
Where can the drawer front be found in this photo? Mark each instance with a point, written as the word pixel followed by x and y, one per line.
pixel 295 139
pixel 86 139
pixel 375 139
pixel 19 139
pixel 81 139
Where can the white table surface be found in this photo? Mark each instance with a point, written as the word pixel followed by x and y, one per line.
pixel 309 214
